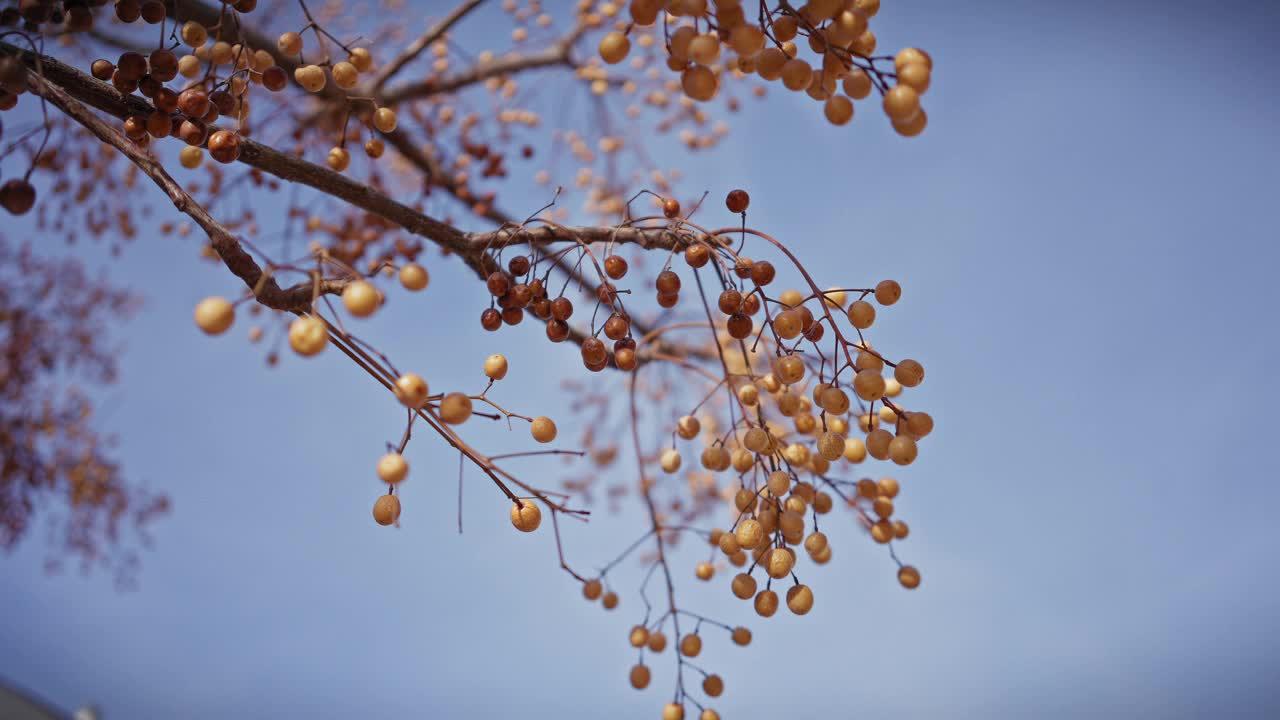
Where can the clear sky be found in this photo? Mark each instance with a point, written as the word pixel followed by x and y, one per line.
pixel 1086 242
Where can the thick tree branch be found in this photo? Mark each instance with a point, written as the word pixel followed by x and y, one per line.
pixel 470 247
pixel 399 139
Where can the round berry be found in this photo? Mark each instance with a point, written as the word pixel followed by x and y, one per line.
pixel 412 390
pixel 360 298
pixel 386 510
pixel 414 277
pixel 308 335
pixel 909 577
pixel 525 516
pixel 392 468
pixel 214 315
pixel 543 429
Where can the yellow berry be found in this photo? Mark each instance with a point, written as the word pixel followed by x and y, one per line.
pixel 672 711
pixel 800 599
pixel 345 75
pixel 392 468
pixel 495 368
pixel 888 292
pixel 610 600
pixel 688 427
pixel 705 49
pixel 857 84
pixel 525 516
pixel 385 119
pixel 878 444
pixel 750 533
pixel 779 483
pixel 914 126
pixel 413 277
pixel 743 586
pixel 310 77
pixel 862 314
pixel 455 408
pixel 715 458
pixel 670 461
pixel 699 83
pixel 887 487
pixel 914 75
pixel 869 385
pixel 308 335
pixel 704 571
pixel 614 48
pixel 339 159
pixel 591 589
pixel 855 451
pixel 542 428
pixel 639 636
pixel 766 603
pixel 194 34
pixel 361 59
pixel 883 507
pixel 742 636
pixel 901 102
pixel 867 7
pixel 796 74
pixel 190 157
pixel 289 44
pixel 882 531
pixel 909 372
pixel 838 109
pixel 903 450
pixel 412 390
pixel 361 298
pixel 214 315
pixel 909 56
pixel 779 562
pixel 919 424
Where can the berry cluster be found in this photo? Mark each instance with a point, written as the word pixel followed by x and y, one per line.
pixel 704 42
pixel 750 408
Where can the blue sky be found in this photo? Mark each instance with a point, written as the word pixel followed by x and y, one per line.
pixel 1085 239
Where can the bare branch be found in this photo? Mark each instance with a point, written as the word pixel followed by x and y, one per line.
pixel 435 32
pixel 228 248
pixel 556 54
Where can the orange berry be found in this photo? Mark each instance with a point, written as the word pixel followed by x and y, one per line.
pixel 386 510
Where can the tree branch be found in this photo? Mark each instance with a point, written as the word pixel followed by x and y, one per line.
pixel 415 49
pixel 265 289
pixel 470 247
pixel 556 54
